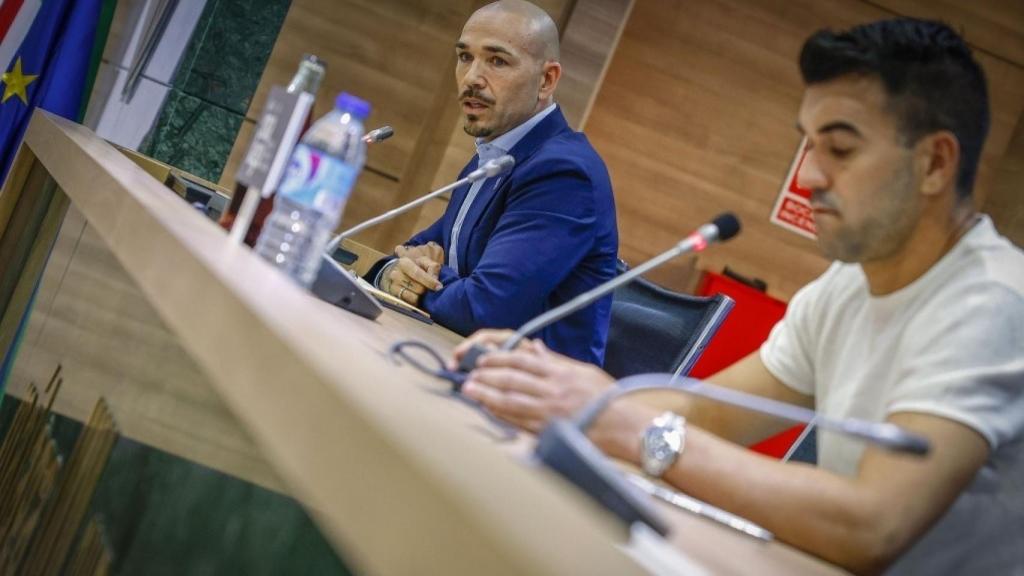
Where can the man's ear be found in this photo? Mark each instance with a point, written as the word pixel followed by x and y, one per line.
pixel 939 160
pixel 551 73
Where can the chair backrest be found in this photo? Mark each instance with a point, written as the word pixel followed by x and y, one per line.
pixel 654 329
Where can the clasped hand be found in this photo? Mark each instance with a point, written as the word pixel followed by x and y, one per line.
pixel 416 271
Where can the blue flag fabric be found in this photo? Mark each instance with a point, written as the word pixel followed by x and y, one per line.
pixel 57 51
pixel 49 70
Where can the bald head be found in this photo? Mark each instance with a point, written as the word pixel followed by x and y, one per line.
pixel 530 23
pixel 507 68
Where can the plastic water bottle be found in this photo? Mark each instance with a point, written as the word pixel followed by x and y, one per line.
pixel 312 194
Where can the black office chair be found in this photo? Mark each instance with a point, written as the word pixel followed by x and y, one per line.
pixel 654 329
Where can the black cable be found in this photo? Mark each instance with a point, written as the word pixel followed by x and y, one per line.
pixel 457 379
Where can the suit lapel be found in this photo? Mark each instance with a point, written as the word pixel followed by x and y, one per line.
pixel 455 202
pixel 549 127
pixel 522 151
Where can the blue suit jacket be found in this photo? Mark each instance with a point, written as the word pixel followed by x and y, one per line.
pixel 544 234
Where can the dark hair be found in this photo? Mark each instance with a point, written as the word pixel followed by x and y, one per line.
pixel 931 79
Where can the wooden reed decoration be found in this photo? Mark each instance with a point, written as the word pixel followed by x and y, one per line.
pixel 15 455
pixel 92 557
pixel 34 490
pixel 11 457
pixel 53 540
pixel 29 464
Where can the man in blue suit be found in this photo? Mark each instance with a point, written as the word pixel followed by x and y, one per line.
pixel 511 247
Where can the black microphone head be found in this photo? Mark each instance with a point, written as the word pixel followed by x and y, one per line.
pixel 379 134
pixel 728 225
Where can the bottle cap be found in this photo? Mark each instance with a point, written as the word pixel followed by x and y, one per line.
pixel 355 106
pixel 309 75
pixel 312 59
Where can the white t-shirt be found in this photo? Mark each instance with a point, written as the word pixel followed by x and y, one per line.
pixel 950 344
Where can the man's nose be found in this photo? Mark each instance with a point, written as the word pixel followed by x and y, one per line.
pixel 474 77
pixel 810 176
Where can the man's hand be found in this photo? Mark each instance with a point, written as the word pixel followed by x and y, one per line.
pixel 430 250
pixel 415 272
pixel 531 385
pixel 488 338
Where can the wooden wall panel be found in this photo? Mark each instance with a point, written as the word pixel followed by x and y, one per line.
pixel 696 116
pixel 1004 199
pixel 996 26
pixel 1006 95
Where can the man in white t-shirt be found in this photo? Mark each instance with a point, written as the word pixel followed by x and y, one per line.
pixel 920 323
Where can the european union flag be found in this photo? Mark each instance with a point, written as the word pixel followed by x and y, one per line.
pixel 49 51
pixel 50 69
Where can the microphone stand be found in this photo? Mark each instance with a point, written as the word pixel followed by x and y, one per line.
pixel 487 170
pixel 588 297
pixel 333 244
pixel 338 286
pixel 884 434
pixel 564 447
pixel 722 228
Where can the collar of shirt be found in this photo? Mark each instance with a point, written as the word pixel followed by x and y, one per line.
pixel 502 144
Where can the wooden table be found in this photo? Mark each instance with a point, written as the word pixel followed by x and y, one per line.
pixel 206 352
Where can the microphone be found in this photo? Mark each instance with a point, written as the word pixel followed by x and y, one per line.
pixel 722 228
pixel 379 135
pixel 489 169
pixel 564 447
pixel 884 434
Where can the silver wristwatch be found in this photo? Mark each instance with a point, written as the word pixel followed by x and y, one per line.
pixel 662 443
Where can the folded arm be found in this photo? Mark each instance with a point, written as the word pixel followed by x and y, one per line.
pixel 546 229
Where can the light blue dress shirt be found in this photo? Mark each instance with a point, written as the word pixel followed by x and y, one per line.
pixel 489 151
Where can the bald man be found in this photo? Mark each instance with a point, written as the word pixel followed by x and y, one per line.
pixel 513 246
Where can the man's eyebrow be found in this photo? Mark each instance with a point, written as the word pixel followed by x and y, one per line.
pixel 498 50
pixel 460 45
pixel 840 126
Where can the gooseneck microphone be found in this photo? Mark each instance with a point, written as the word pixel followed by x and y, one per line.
pixel 564 447
pixel 379 134
pixel 884 434
pixel 722 228
pixel 489 169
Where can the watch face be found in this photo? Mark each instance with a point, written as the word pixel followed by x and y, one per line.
pixel 662 443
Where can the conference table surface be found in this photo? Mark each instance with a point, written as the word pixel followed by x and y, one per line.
pixel 390 465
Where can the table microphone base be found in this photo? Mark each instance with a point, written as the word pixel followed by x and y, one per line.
pixel 345 257
pixel 566 450
pixel 334 284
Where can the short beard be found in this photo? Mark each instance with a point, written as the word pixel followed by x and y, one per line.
pixel 886 232
pixel 476 131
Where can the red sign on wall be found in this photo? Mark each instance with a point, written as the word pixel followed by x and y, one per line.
pixel 792 209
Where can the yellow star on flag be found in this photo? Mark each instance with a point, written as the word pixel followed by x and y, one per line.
pixel 16 83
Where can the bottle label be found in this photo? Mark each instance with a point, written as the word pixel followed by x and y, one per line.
pixel 316 179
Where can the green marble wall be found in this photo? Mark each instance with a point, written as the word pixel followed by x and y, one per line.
pixel 214 84
pixel 165 515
